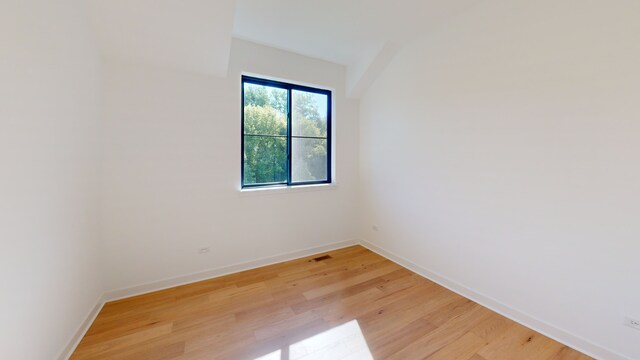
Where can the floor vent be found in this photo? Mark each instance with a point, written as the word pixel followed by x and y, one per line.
pixel 320 258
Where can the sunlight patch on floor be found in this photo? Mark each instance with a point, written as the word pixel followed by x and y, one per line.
pixel 344 342
pixel 276 355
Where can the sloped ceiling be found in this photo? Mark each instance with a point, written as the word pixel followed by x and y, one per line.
pixel 360 34
pixel 193 35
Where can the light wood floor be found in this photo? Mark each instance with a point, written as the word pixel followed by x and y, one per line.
pixel 353 305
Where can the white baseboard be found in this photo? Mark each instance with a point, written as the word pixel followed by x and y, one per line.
pixel 562 336
pixel 187 279
pixel 583 345
pixel 221 271
pixel 84 327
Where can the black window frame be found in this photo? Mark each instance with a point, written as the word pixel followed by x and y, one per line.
pixel 290 88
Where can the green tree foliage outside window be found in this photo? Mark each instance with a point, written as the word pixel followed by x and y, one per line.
pixel 265 135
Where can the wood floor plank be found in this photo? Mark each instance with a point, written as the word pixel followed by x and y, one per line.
pixel 362 304
pixel 462 348
pixel 443 335
pixel 523 343
pixel 391 340
pixel 99 349
pixel 568 353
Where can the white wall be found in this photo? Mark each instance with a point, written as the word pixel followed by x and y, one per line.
pixel 172 171
pixel 503 153
pixel 49 106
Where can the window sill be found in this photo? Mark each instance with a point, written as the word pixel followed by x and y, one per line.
pixel 274 190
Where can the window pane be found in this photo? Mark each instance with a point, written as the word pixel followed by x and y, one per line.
pixel 265 160
pixel 309 114
pixel 309 160
pixel 265 110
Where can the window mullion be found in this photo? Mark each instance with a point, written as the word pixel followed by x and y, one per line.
pixel 289 131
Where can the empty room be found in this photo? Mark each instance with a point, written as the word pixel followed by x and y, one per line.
pixel 307 179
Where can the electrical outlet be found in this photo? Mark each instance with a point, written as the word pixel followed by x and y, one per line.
pixel 203 250
pixel 632 323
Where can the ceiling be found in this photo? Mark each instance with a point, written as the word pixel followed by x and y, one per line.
pixel 196 35
pixel 340 31
pixel 360 34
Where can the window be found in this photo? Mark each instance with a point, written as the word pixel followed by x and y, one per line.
pixel 286 134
